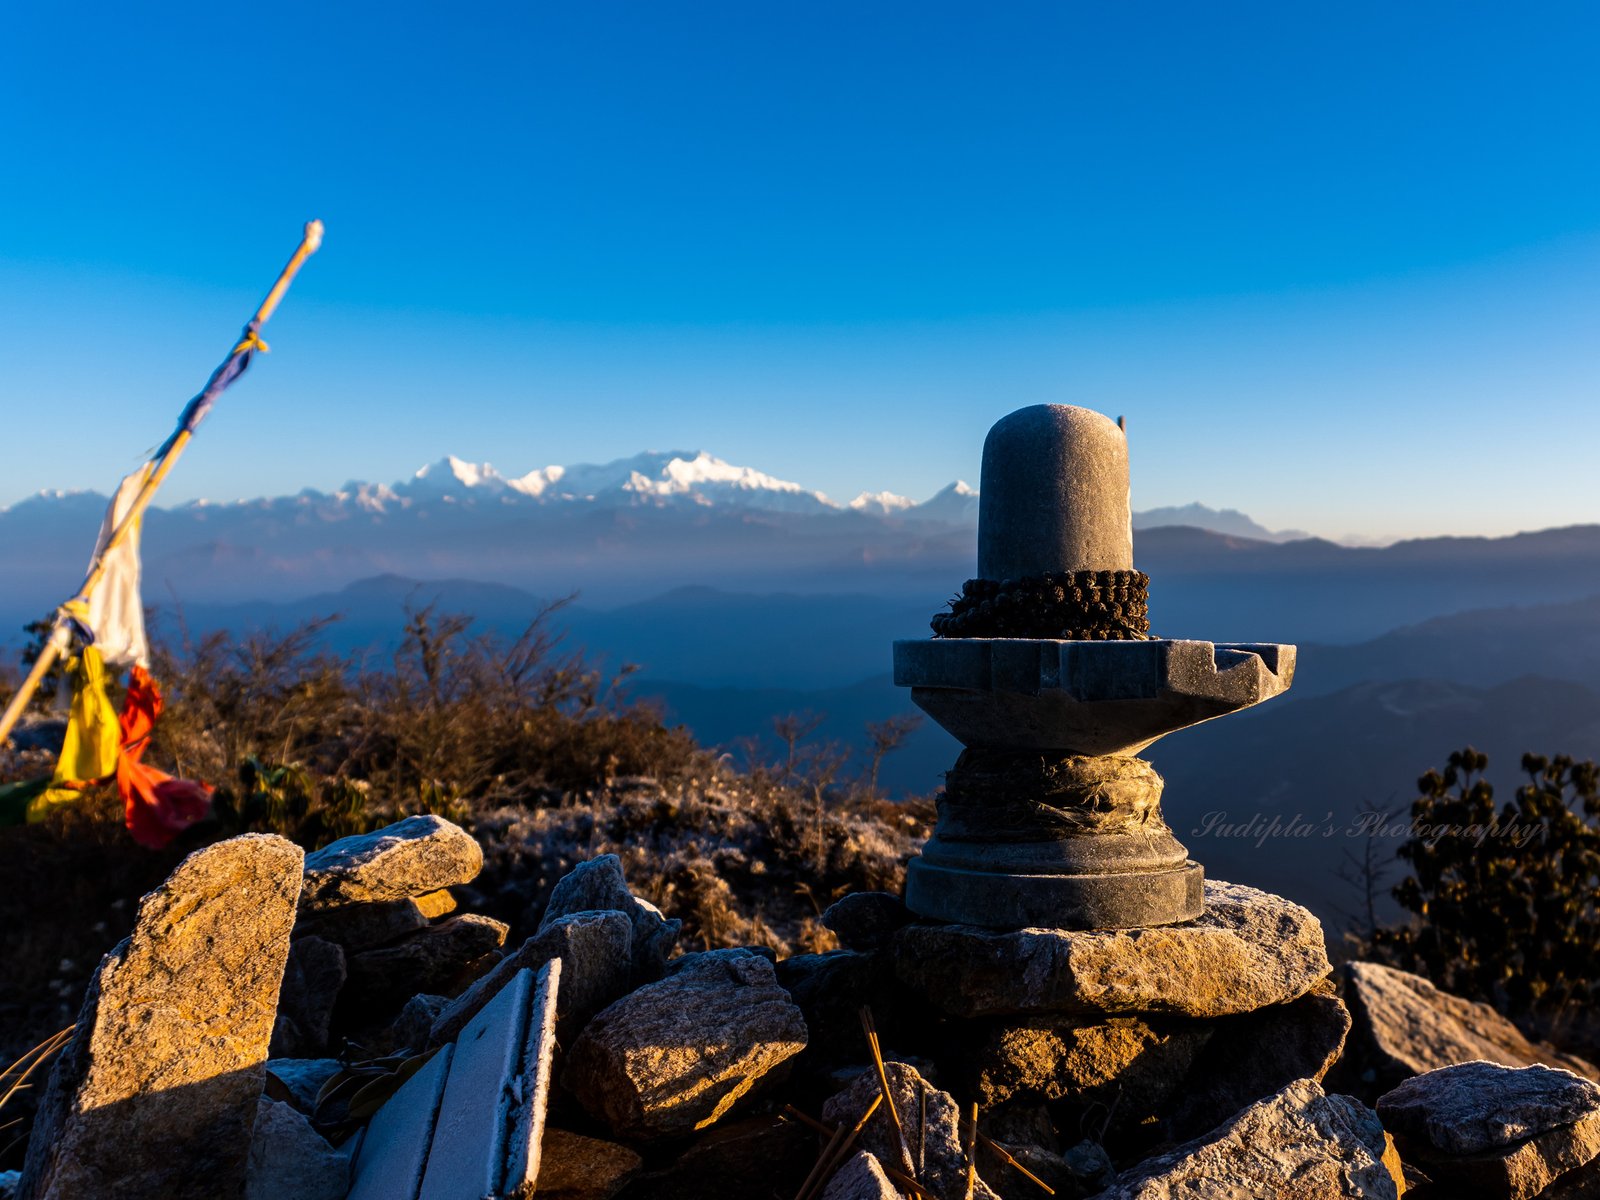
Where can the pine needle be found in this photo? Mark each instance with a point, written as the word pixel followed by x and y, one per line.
pixel 883 1086
pixel 972 1148
pixel 1026 1174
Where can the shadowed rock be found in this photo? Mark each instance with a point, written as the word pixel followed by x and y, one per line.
pixel 434 959
pixel 599 886
pixel 409 858
pixel 574 1167
pixel 358 927
pixel 312 981
pixel 1405 1026
pixel 1250 1057
pixel 154 1097
pixel 595 951
pixel 678 1055
pixel 289 1160
pixel 867 920
pixel 932 1125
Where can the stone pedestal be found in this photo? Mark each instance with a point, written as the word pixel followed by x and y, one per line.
pixel 1048 818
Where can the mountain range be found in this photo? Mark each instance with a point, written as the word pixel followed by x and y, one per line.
pixel 742 597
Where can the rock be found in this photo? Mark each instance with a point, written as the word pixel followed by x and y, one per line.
pixel 1481 1106
pixel 1049 1168
pixel 756 1156
pixel 358 927
pixel 595 949
pixel 831 990
pixel 1298 1144
pixel 312 981
pixel 598 885
pixel 1090 1165
pixel 1138 1063
pixel 289 1160
pixel 574 1167
pixel 944 1163
pixel 867 920
pixel 1021 1123
pixel 1404 1026
pixel 439 958
pixel 302 1079
pixel 676 1056
pixel 1249 950
pixel 154 1097
pixel 1493 1130
pixel 413 1026
pixel 861 1178
pixel 409 858
pixel 1582 1184
pixel 1250 1057
pixel 436 904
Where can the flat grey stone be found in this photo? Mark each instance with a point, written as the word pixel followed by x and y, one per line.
pixel 531 1090
pixel 599 886
pixel 678 1055
pixel 1298 1144
pixel 595 949
pixel 467 1158
pixel 289 1160
pixel 1248 951
pixel 394 1149
pixel 409 858
pixel 1478 1106
pixel 861 1178
pixel 155 1095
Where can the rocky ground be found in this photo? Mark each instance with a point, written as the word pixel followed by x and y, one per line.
pixel 345 1024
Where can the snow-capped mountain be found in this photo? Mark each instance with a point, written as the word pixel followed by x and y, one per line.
pixel 655 478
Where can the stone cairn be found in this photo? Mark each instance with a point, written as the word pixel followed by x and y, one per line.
pixel 1061 1005
pixel 596 1061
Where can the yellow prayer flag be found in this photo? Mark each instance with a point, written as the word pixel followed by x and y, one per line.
pixel 94 737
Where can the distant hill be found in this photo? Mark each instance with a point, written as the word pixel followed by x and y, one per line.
pixel 621 532
pixel 1227 521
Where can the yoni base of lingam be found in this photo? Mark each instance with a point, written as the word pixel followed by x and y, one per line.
pixel 1046 671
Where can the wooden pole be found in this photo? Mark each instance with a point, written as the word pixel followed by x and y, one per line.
pixel 56 643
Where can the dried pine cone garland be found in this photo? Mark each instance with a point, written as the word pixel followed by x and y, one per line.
pixel 1071 605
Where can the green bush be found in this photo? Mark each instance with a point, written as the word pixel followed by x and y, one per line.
pixel 1506 902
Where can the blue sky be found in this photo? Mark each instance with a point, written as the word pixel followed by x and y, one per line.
pixel 1339 265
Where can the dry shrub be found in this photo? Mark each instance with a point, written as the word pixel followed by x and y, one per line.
pixel 524 742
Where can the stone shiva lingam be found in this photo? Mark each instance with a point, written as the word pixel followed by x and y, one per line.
pixel 1045 670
